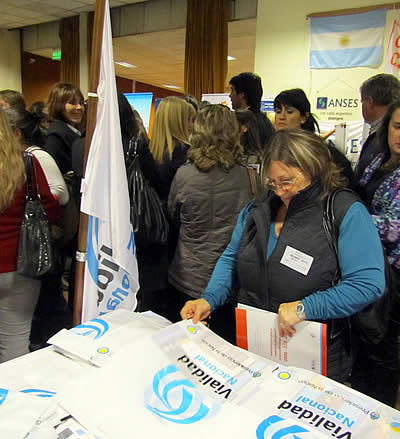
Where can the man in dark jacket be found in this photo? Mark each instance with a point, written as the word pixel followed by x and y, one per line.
pixel 246 93
pixel 377 94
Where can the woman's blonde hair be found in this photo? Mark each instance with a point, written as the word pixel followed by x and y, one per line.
pixel 306 151
pixel 216 139
pixel 12 173
pixel 171 123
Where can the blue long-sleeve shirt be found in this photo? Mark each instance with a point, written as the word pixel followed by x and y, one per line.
pixel 360 260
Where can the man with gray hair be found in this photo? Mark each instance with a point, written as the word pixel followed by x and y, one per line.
pixel 377 94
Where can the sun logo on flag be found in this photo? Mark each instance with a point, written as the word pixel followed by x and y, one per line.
pixel 344 41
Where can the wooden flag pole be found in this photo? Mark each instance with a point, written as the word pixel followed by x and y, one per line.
pixel 90 126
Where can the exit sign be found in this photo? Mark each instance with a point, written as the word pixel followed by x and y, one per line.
pixel 57 54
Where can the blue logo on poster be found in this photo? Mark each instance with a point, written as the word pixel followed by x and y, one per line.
pixel 3 395
pixel 39 392
pixel 322 103
pixel 174 398
pixel 277 427
pixel 95 329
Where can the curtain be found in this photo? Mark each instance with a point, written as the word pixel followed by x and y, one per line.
pixel 69 35
pixel 206 46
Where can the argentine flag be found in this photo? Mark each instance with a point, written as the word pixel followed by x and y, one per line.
pixel 344 41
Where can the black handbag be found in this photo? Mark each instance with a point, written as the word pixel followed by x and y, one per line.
pixel 148 218
pixel 371 323
pixel 35 252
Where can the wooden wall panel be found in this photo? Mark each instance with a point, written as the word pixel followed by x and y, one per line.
pixel 39 74
pixel 124 85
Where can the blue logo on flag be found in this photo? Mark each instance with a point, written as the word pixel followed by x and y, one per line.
pixel 322 103
pixel 176 399
pixel 277 427
pixel 39 392
pixel 95 329
pixel 91 255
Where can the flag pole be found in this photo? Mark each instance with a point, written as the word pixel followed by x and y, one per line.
pixel 90 126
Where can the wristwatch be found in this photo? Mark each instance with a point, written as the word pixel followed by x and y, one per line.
pixel 300 311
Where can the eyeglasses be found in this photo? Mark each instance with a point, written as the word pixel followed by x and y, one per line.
pixel 284 185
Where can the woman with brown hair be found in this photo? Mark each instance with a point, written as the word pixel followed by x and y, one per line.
pixel 18 294
pixel 282 258
pixel 206 197
pixel 66 111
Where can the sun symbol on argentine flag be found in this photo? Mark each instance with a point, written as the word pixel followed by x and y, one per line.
pixel 344 40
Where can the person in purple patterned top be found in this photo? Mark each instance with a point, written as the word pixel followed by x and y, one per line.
pixel 376 370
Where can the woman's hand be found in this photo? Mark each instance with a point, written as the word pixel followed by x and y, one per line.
pixel 287 318
pixel 196 309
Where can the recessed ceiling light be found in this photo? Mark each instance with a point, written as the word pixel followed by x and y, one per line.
pixel 125 64
pixel 171 86
pixel 230 58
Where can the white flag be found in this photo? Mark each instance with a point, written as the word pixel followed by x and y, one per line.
pixel 111 273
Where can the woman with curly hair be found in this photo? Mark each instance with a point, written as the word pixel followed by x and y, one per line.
pixel 206 197
pixel 280 257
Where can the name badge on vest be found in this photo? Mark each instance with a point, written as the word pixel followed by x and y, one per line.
pixel 297 260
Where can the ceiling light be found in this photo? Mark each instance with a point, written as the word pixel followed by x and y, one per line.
pixel 230 58
pixel 125 64
pixel 171 86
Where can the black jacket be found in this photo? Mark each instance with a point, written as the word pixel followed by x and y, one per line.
pixel 264 284
pixel 370 150
pixel 167 169
pixel 59 144
pixel 341 161
pixel 264 125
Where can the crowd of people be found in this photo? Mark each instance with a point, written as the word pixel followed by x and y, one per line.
pixel 246 202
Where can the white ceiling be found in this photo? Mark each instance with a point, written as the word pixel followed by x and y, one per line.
pixel 20 13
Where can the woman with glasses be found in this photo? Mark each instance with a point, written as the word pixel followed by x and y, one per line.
pixel 284 226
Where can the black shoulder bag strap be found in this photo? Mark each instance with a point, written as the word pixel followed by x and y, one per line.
pixel 32 191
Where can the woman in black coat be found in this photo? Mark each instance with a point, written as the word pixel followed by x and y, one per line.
pixel 66 110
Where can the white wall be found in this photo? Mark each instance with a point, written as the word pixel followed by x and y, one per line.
pixel 10 60
pixel 282 51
